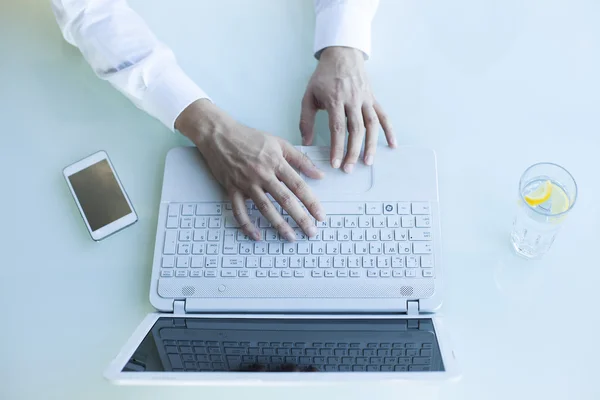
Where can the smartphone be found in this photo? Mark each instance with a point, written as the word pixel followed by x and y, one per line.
pixel 99 195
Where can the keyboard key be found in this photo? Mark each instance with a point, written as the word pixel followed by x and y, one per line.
pixel 170 242
pixel 383 262
pixel 426 261
pixel 339 262
pixel 289 248
pixel 281 262
pixel 296 262
pixel 246 248
pixel 393 221
pixel 266 262
pixel 329 273
pixel 354 262
pixel 412 352
pixel 212 248
pixel 182 273
pixel 401 234
pixel 422 248
pixel 329 235
pixel 310 262
pixel 211 262
pixel 372 274
pixel 274 273
pixel 228 273
pixel 400 368
pixel 343 235
pixel 197 262
pixel 390 248
pixel 419 234
pixel 351 222
pixel 372 234
pixel 172 222
pixel 185 235
pixel 387 235
pixel 404 248
pixel 423 221
pixel 397 273
pixel 196 273
pixel 379 221
pixel 210 274
pixel 346 248
pixel 198 248
pixel 426 353
pixel 200 235
pixel 369 262
pixel 410 273
pixel 389 208
pixel 168 261
pixel 233 262
pixel 201 222
pixel 375 248
pixel 412 261
pixel 398 352
pixel 188 209
pixel 355 273
pixel 317 274
pixel 420 208
pixel 209 209
pixel 332 248
pixel 361 248
pixel 385 273
pixel 303 248
pixel 214 236
pixel 419 368
pixel 186 222
pixel 373 208
pixel 261 274
pixel 318 248
pixel 166 273
pixel 325 262
pixel 428 273
pixel 173 210
pixel 365 222
pixel 260 248
pixel 403 208
pixel 252 262
pixel 299 274
pixel 274 248
pixel 408 221
pixel 184 248
pixel 271 235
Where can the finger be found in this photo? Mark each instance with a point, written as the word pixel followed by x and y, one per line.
pixel 356 135
pixel 371 122
pixel 337 127
pixel 302 191
pixel 307 119
pixel 268 210
pixel 386 125
pixel 301 161
pixel 240 213
pixel 286 200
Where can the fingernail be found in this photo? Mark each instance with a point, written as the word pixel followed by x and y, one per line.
pixel 320 215
pixel 290 236
pixel 255 235
pixel 336 163
pixel 311 231
pixel 369 160
pixel 348 168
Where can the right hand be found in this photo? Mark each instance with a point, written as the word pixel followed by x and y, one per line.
pixel 250 163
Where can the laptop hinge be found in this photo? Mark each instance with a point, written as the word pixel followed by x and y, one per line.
pixel 179 307
pixel 412 307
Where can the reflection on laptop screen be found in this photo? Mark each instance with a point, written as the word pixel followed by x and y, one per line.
pixel 241 345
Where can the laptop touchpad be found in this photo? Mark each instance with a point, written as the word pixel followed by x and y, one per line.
pixel 337 181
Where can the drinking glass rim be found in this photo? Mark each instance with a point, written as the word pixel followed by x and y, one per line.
pixel 532 208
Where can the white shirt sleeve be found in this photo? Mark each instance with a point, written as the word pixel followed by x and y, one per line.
pixel 344 23
pixel 121 49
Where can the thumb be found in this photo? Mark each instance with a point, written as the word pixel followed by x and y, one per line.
pixel 307 119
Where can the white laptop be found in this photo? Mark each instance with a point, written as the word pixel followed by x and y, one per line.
pixel 357 302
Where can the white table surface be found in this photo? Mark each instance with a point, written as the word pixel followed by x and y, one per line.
pixel 492 86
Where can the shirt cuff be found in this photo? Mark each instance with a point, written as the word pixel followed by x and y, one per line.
pixel 343 25
pixel 170 95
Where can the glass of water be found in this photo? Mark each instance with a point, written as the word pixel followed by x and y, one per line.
pixel 547 192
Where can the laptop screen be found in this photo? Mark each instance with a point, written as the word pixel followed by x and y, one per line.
pixel 288 345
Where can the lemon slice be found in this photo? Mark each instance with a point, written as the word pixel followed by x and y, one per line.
pixel 560 200
pixel 539 195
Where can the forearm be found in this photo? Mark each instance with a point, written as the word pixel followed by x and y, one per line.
pixel 121 49
pixel 344 23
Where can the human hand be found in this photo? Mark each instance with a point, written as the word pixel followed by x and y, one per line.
pixel 250 163
pixel 340 86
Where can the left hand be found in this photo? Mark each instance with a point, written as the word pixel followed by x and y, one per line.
pixel 340 86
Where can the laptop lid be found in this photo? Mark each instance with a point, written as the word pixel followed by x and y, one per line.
pixel 246 349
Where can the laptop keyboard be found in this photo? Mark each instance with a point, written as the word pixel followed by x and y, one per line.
pixel 199 355
pixel 373 240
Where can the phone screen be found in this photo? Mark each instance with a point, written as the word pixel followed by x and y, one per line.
pixel 99 195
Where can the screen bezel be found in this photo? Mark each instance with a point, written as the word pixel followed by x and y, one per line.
pixel 114 371
pixel 114 226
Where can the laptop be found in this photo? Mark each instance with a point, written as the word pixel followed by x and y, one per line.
pixel 356 303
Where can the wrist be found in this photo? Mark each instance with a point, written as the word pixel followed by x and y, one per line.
pixel 337 52
pixel 200 120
